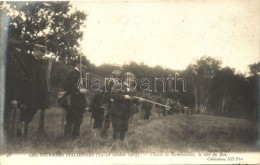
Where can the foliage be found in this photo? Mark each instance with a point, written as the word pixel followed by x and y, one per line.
pixel 53 24
pixel 202 72
pixel 255 68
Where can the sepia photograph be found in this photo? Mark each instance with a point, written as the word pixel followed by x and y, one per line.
pixel 130 82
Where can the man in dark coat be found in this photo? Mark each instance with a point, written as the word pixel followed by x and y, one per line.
pixel 122 101
pixel 116 73
pixel 77 102
pixel 26 86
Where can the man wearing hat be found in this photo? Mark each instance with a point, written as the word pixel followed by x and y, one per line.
pixel 25 83
pixel 116 73
pixel 121 107
pixel 77 101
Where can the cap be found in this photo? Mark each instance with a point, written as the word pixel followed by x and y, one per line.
pixel 129 76
pixel 118 70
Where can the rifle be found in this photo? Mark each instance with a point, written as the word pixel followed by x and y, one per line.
pixel 153 102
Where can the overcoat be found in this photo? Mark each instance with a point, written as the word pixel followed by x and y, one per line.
pixel 78 100
pixel 120 106
pixel 26 81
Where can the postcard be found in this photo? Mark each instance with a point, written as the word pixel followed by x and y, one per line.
pixel 130 82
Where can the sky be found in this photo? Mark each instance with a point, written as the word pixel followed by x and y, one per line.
pixel 172 33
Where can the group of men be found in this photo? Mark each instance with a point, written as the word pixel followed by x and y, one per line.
pixel 120 105
pixel 26 88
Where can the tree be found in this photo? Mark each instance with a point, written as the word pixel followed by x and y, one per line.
pixel 221 94
pixel 55 25
pixel 202 72
pixel 253 94
pixel 255 68
pixel 186 98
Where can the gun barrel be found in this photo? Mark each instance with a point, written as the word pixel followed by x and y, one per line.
pixel 153 102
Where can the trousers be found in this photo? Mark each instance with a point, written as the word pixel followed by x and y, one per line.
pixel 74 119
pixel 120 126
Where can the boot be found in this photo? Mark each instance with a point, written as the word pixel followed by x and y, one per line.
pixel 76 131
pixel 25 130
pixel 19 128
pixel 103 133
pixel 67 130
pixel 22 130
pixel 122 136
pixel 105 128
pixel 116 135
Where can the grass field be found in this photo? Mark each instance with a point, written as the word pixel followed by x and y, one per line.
pixel 184 133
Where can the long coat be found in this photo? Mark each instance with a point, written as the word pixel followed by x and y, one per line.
pixel 78 100
pixel 120 106
pixel 38 88
pixel 26 81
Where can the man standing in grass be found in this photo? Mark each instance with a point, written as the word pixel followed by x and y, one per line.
pixel 76 101
pixel 116 73
pixel 25 83
pixel 122 102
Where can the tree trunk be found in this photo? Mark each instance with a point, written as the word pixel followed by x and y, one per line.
pixel 227 107
pixel 196 100
pixel 223 105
